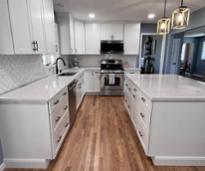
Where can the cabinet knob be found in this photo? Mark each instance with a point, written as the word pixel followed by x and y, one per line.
pixel 134 96
pixel 143 99
pixel 65 108
pixel 56 102
pixel 59 139
pixel 141 135
pixel 58 118
pixel 34 46
pixel 142 115
pixel 66 125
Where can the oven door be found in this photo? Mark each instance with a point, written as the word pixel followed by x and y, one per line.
pixel 112 81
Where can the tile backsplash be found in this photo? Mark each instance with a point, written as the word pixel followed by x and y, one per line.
pixel 18 70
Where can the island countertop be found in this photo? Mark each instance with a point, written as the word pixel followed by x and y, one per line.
pixel 169 87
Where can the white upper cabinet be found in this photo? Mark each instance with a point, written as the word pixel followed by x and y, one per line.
pixel 66 33
pixel 20 24
pixel 6 44
pixel 50 30
pixel 131 39
pixel 79 37
pixel 92 38
pixel 36 13
pixel 111 32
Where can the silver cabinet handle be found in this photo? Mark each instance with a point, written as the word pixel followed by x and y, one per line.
pixel 65 108
pixel 58 118
pixel 134 96
pixel 34 46
pixel 142 115
pixel 143 99
pixel 56 102
pixel 64 94
pixel 59 139
pixel 141 135
pixel 66 125
pixel 37 45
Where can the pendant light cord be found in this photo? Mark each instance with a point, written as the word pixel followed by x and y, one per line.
pixel 182 2
pixel 165 6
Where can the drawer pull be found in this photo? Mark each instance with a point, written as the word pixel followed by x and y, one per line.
pixel 143 99
pixel 65 93
pixel 134 96
pixel 59 139
pixel 142 115
pixel 65 108
pixel 66 125
pixel 141 135
pixel 56 102
pixel 135 90
pixel 58 118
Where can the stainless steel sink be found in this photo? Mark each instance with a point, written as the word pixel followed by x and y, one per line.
pixel 67 74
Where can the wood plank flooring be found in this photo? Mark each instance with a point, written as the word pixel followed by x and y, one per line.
pixel 103 139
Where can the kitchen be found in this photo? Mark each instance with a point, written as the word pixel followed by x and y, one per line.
pixel 94 86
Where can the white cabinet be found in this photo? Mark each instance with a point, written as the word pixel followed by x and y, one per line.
pixel 131 39
pixel 111 32
pixel 92 38
pixel 66 33
pixel 20 23
pixel 57 46
pixel 32 26
pixel 6 44
pixel 92 81
pixel 50 28
pixel 79 29
pixel 37 24
pixel 80 90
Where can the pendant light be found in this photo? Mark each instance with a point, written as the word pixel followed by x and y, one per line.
pixel 180 17
pixel 163 24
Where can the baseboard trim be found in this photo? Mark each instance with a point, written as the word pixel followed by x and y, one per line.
pixel 178 161
pixel 2 166
pixel 27 163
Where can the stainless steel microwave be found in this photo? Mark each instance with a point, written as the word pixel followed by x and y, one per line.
pixel 112 47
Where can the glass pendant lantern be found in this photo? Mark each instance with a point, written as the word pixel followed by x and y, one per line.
pixel 180 17
pixel 163 24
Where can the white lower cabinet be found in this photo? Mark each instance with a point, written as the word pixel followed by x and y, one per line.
pixel 92 81
pixel 80 92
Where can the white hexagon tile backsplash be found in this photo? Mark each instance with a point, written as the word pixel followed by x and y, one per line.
pixel 16 71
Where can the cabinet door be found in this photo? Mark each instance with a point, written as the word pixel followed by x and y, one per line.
pixel 48 15
pixel 111 32
pixel 79 37
pixel 20 24
pixel 36 14
pixel 92 38
pixel 72 36
pixel 89 83
pixel 6 43
pixel 57 46
pixel 131 39
pixel 97 81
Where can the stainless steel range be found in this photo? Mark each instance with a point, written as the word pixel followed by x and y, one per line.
pixel 112 77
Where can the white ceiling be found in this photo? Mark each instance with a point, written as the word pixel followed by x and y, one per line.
pixel 124 10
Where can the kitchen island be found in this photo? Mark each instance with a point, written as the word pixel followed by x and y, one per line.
pixel 168 113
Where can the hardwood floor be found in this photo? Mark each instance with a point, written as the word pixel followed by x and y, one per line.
pixel 103 139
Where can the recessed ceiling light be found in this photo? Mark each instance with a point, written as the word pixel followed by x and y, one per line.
pixel 91 15
pixel 151 16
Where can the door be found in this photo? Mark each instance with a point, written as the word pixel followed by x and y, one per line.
pixel 37 24
pixel 131 39
pixel 175 54
pixel 20 25
pixel 79 37
pixel 111 32
pixel 92 38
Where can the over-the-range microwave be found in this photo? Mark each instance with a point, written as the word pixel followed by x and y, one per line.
pixel 112 47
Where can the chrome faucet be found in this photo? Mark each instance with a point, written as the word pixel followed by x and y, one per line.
pixel 60 58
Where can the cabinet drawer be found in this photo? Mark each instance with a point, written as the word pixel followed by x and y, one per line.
pixel 144 101
pixel 142 134
pixel 144 114
pixel 60 131
pixel 57 101
pixel 59 112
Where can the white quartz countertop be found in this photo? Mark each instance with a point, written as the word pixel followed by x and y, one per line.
pixel 41 91
pixel 169 87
